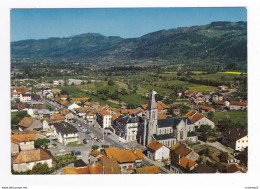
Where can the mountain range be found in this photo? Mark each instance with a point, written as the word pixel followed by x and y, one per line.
pixel 222 42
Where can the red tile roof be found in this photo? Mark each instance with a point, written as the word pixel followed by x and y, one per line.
pixel 205 107
pixel 74 170
pixel 95 169
pixel 186 163
pixel 104 112
pixel 154 145
pixel 17 138
pixel 148 170
pixel 26 122
pixel 236 103
pixel 31 156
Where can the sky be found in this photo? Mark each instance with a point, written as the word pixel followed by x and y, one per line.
pixel 123 22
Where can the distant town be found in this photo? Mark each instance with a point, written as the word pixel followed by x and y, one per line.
pixel 128 121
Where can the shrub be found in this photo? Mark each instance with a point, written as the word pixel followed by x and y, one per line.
pixel 95 147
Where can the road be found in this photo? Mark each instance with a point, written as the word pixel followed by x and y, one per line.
pixel 112 140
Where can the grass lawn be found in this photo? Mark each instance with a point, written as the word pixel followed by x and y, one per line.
pixel 216 76
pixel 75 144
pixel 133 99
pixel 235 116
pixel 16 131
pixel 102 102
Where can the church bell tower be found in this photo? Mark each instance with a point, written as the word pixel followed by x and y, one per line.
pixel 151 118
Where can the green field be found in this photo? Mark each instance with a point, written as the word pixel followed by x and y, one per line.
pixel 235 116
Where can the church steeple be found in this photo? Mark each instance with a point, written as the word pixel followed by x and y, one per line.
pixel 151 118
pixel 152 102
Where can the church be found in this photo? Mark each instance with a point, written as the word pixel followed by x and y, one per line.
pixel 167 131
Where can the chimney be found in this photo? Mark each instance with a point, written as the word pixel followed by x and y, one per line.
pixel 229 132
pixel 112 169
pixel 179 157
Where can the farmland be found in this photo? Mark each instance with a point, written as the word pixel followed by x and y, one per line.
pixel 133 87
pixel 235 116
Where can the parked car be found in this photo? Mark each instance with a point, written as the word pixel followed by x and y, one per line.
pixel 77 153
pixel 84 141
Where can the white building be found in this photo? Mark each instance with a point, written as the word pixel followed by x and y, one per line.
pixel 235 138
pixel 65 133
pixel 104 119
pixel 73 106
pixel 25 97
pixel 27 159
pixel 199 119
pixel 157 151
pixel 235 105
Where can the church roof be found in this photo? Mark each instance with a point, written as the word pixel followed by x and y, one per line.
pixel 173 122
pixel 163 136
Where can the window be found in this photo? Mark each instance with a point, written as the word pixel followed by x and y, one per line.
pixel 246 140
pixel 239 141
pixel 243 141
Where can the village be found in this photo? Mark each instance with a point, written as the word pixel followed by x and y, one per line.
pixel 57 133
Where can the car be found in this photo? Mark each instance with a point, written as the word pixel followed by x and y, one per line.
pixel 99 140
pixel 77 153
pixel 85 141
pixel 95 138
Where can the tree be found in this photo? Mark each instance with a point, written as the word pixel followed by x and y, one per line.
pixel 110 82
pixel 223 156
pixel 39 142
pixel 210 115
pixel 95 147
pixel 41 169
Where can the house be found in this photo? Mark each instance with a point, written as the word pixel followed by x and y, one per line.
pixel 183 150
pixel 235 138
pixel 162 108
pixel 104 119
pixel 192 94
pixel 216 96
pixel 25 97
pixel 63 97
pixel 203 168
pixel 183 165
pixel 72 106
pixel 29 123
pixel 76 170
pixel 81 112
pixel 17 91
pixel 43 113
pixel 22 142
pixel 198 100
pixel 49 95
pixel 74 82
pixel 36 99
pixel 176 111
pixel 222 88
pixel 199 119
pixel 90 117
pixel 179 93
pixel 95 168
pixel 205 109
pixel 65 133
pixel 79 100
pixel 94 155
pixel 236 105
pixel 234 168
pixel 148 170
pixel 19 107
pixel 25 160
pixel 56 82
pixel 127 127
pixel 157 151
pixel 110 166
pixel 127 159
